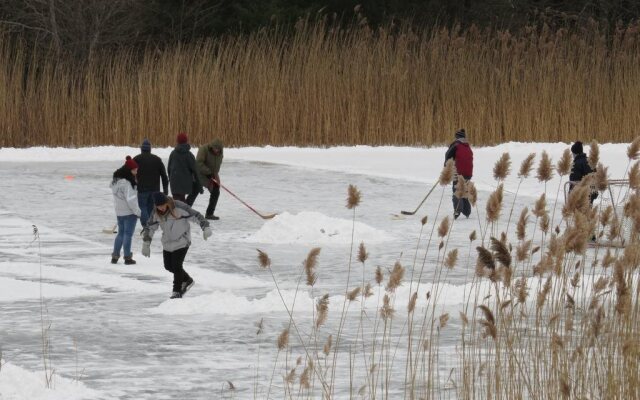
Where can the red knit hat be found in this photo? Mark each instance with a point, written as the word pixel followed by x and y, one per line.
pixel 182 138
pixel 131 163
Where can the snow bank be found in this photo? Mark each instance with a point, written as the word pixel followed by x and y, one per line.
pixel 406 163
pixel 19 384
pixel 309 227
pixel 448 297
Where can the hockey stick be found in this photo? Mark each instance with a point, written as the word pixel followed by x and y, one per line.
pixel 421 203
pixel 268 216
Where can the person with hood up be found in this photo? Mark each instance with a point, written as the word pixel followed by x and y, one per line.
pixel 183 173
pixel 209 160
pixel 173 217
pixel 150 171
pixel 125 198
pixel 580 168
pixel 461 152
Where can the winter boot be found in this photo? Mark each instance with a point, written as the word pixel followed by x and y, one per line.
pixel 212 217
pixel 456 215
pixel 175 295
pixel 128 260
pixel 187 285
pixel 114 259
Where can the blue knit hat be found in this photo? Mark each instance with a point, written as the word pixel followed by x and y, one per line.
pixel 159 198
pixel 461 134
pixel 146 145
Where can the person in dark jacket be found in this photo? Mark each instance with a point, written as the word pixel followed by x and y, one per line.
pixel 150 171
pixel 580 168
pixel 183 173
pixel 173 218
pixel 461 153
pixel 209 160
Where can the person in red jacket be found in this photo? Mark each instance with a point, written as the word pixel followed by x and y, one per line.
pixel 461 152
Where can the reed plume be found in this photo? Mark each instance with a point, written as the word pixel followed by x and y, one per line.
pixel 545 169
pixel 412 302
pixel 472 193
pixel 526 166
pixel 500 252
pixel 326 349
pixel 522 250
pixel 354 293
pixel 310 264
pixel 386 312
pixel 263 259
pixel 521 227
pixel 395 277
pixel 602 178
pixel 447 173
pixel 368 292
pixel 594 154
pixel 472 236
pixel 443 229
pixel 633 151
pixel 322 310
pixel 634 176
pixel 564 163
pixel 452 259
pixel 353 198
pixel 379 275
pixel 488 323
pixel 305 377
pixel 424 220
pixel 362 253
pixel 494 204
pixel 485 259
pixel 540 207
pixel 461 188
pixel 502 167
pixel 283 339
pixel 442 320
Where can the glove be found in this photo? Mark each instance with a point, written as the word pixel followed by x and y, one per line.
pixel 206 233
pixel 146 249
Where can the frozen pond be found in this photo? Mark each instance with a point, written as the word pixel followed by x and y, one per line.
pixel 113 325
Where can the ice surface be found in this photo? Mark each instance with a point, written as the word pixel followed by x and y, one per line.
pixel 134 343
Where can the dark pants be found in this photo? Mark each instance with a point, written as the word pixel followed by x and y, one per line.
pixel 189 198
pixel 173 263
pixel 145 201
pixel 461 205
pixel 213 199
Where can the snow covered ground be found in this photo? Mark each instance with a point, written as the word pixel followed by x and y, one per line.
pixel 115 324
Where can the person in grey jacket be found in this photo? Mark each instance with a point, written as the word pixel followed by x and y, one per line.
pixel 125 199
pixel 183 173
pixel 173 217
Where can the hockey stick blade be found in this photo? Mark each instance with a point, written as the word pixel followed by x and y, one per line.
pixel 407 212
pixel 268 216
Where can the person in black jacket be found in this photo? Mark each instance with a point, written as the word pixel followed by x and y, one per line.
pixel 150 171
pixel 580 168
pixel 183 173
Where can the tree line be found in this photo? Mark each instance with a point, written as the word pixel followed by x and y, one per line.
pixel 78 30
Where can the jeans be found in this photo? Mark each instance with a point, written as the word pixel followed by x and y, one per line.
pixel 173 263
pixel 145 201
pixel 126 226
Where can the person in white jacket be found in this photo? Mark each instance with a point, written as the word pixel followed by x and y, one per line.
pixel 125 199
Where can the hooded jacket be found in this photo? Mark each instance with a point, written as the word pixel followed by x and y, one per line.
pixel 462 154
pixel 176 231
pixel 125 198
pixel 580 168
pixel 209 163
pixel 182 170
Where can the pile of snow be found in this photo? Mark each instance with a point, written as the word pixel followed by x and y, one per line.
pixel 310 227
pixel 19 384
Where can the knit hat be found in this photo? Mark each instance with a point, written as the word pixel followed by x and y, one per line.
pixel 130 163
pixel 159 198
pixel 182 138
pixel 146 145
pixel 577 148
pixel 461 134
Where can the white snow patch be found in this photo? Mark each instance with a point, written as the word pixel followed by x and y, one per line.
pixel 17 383
pixel 309 227
pixel 17 290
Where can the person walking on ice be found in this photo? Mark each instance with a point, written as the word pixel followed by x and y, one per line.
pixel 183 173
pixel 150 171
pixel 461 153
pixel 173 217
pixel 125 199
pixel 209 160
